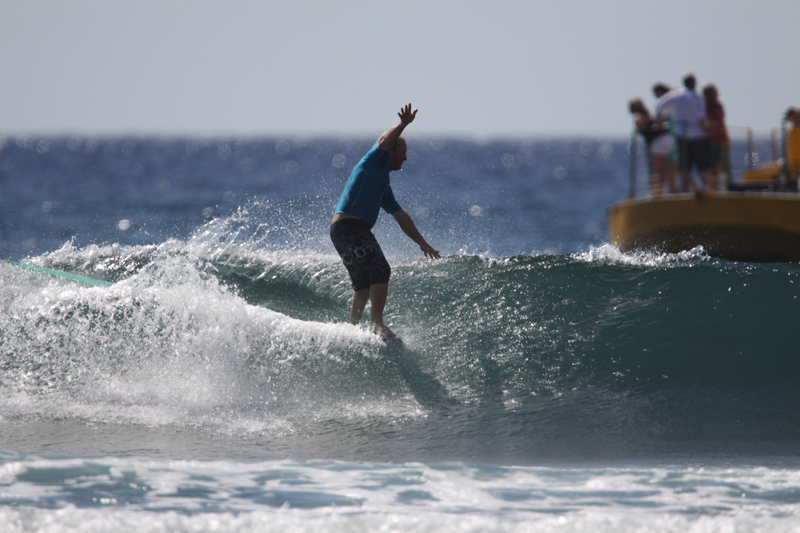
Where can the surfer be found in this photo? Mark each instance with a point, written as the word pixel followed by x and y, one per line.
pixel 366 192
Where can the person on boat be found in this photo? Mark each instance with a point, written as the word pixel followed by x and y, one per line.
pixel 660 89
pixel 366 192
pixel 717 133
pixel 792 119
pixel 687 113
pixel 660 147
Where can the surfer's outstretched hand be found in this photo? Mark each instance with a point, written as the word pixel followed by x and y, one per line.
pixel 406 116
pixel 430 251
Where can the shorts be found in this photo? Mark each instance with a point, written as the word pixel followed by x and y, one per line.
pixel 662 145
pixel 695 153
pixel 360 253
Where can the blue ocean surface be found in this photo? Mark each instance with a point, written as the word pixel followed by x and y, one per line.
pixel 546 382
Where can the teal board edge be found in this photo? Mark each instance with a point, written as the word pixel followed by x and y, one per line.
pixel 86 280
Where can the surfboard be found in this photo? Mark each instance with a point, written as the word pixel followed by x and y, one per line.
pixel 392 341
pixel 78 278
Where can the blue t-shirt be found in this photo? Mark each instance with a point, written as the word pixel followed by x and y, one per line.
pixel 368 189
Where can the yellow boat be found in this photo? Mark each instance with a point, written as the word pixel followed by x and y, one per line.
pixel 741 226
pixel 759 221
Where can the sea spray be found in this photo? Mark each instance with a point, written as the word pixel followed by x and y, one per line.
pixel 631 354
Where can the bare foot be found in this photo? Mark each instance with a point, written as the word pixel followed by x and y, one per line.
pixel 384 332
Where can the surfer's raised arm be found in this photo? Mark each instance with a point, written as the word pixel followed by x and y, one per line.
pixel 388 139
pixel 389 143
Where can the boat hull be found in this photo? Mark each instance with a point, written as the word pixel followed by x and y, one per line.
pixel 762 227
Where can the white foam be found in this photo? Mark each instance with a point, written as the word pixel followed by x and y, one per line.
pixel 170 344
pixel 89 521
pixel 608 253
pixel 401 497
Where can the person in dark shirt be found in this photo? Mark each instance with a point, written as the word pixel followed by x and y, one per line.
pixel 660 148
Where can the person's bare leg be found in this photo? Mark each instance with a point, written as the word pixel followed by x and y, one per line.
pixel 670 170
pixel 377 295
pixel 659 176
pixel 687 183
pixel 655 182
pixel 360 299
pixel 666 171
pixel 709 179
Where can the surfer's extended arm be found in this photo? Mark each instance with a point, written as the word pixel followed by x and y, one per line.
pixel 388 139
pixel 408 227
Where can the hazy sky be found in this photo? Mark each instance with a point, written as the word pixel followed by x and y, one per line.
pixel 488 68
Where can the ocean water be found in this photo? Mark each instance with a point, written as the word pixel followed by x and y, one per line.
pixel 547 382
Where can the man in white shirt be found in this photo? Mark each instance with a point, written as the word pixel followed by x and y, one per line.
pixel 686 112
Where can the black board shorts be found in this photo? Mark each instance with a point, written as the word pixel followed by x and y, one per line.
pixel 360 253
pixel 695 153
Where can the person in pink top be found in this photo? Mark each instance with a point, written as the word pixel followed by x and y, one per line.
pixel 717 133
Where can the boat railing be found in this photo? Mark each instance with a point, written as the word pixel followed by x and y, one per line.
pixel 748 151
